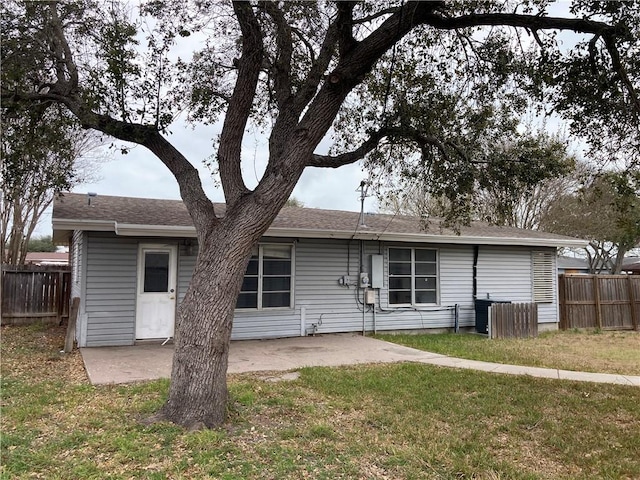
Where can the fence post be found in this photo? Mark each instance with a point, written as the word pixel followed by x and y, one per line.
pixel 596 292
pixel 490 322
pixel 562 301
pixel 632 301
pixel 59 298
pixel 71 325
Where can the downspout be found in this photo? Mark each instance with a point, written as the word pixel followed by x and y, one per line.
pixel 476 249
pixel 475 271
pixel 364 328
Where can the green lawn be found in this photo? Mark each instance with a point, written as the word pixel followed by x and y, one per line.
pixel 585 350
pixel 401 421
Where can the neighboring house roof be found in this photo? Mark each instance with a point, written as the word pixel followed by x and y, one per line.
pixel 47 258
pixel 631 264
pixel 129 216
pixel 572 263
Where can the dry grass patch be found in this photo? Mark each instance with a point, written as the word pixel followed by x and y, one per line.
pixel 615 352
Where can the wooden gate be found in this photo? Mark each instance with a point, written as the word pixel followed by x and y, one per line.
pixel 599 301
pixel 35 294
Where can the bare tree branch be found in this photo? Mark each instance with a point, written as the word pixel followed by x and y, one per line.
pixel 198 204
pixel 345 27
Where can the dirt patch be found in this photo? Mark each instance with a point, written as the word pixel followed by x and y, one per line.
pixel 35 352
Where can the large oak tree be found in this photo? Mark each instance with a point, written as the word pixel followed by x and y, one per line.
pixel 379 76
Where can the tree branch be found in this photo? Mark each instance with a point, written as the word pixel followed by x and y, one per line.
pixel 356 61
pixel 376 15
pixel 198 204
pixel 60 48
pixel 345 27
pixel 620 70
pixel 422 140
pixel 316 73
pixel 532 22
pixel 282 70
pixel 328 161
pixel 240 103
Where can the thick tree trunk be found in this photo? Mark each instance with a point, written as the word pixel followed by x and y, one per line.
pixel 198 391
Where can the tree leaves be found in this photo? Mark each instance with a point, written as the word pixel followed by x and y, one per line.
pixel 605 211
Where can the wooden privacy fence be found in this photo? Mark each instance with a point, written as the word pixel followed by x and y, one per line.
pixel 513 320
pixel 599 301
pixel 31 295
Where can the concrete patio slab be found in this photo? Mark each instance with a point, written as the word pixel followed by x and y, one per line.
pixel 148 362
pixel 105 365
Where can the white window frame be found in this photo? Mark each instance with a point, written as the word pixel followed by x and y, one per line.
pixel 260 278
pixel 413 276
pixel 543 274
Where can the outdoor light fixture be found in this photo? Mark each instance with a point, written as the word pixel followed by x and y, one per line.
pixel 188 246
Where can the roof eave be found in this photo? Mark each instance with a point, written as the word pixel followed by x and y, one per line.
pixel 426 238
pixel 62 226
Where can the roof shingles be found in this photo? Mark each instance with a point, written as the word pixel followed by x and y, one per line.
pixel 173 213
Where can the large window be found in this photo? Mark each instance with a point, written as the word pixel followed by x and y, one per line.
pixel 267 281
pixel 413 276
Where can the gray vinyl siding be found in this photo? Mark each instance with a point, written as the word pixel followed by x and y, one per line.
pixel 78 257
pixel 506 273
pixel 318 297
pixel 321 264
pixel 110 297
pixel 186 265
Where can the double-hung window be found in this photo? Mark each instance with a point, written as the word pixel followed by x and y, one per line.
pixel 413 276
pixel 268 279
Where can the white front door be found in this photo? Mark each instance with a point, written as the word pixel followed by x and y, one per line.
pixel 156 302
